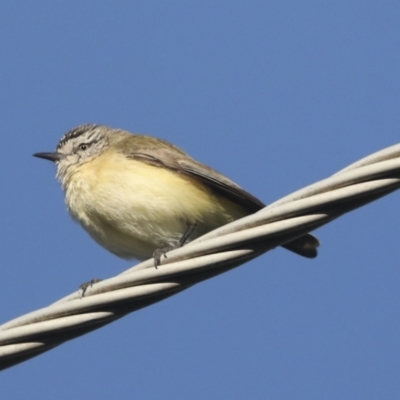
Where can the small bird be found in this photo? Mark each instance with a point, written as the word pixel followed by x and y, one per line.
pixel 136 194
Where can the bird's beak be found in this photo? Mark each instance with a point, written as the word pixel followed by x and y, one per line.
pixel 49 156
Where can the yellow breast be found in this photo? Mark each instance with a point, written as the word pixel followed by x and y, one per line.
pixel 132 208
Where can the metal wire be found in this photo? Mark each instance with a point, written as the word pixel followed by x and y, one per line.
pixel 212 254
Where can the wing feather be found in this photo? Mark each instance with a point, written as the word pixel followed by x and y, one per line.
pixel 159 153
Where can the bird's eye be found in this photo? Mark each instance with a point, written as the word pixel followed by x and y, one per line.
pixel 83 146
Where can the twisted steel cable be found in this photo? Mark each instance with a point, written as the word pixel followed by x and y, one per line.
pixel 212 254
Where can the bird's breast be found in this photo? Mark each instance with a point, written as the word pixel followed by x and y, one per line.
pixel 131 208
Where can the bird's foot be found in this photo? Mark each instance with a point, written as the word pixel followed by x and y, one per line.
pixel 158 253
pixel 86 285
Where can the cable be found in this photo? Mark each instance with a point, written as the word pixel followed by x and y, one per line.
pixel 212 254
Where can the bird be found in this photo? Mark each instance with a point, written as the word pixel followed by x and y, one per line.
pixel 139 196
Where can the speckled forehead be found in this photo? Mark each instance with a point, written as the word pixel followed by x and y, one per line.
pixel 89 130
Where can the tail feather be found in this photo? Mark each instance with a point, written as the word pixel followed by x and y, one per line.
pixel 305 246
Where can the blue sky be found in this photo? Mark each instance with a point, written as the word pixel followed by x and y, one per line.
pixel 276 95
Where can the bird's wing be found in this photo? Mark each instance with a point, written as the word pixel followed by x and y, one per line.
pixel 171 157
pixel 183 164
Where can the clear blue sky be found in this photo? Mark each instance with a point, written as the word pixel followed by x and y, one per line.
pixel 276 95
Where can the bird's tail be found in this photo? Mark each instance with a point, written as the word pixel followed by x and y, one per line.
pixel 305 246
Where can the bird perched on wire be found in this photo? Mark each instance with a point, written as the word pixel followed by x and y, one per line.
pixel 139 196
